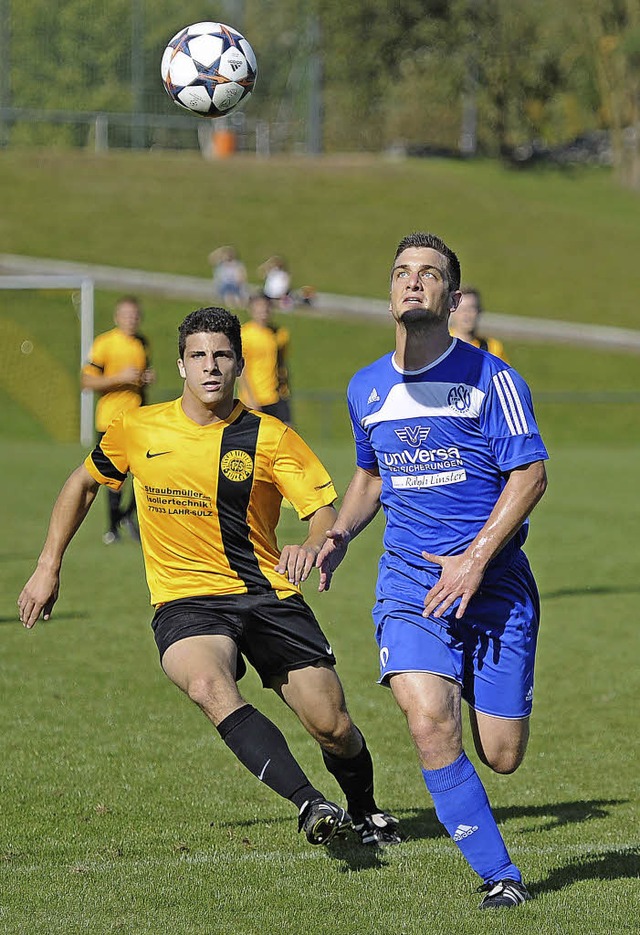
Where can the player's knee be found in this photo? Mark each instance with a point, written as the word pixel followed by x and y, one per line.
pixel 212 695
pixel 437 737
pixel 505 761
pixel 336 733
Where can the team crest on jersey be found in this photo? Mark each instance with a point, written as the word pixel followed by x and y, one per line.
pixel 236 465
pixel 459 398
pixel 413 435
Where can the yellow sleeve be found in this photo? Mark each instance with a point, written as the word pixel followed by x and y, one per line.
pixel 301 477
pixel 108 463
pixel 95 362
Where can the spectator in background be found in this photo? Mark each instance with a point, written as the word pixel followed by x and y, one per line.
pixel 119 370
pixel 264 384
pixel 277 281
pixel 463 323
pixel 229 277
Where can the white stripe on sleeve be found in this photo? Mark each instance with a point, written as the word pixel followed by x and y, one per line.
pixel 511 404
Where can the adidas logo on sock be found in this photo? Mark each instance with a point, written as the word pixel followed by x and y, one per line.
pixel 464 831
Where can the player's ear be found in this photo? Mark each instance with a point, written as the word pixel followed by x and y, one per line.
pixel 454 300
pixel 181 369
pixel 240 367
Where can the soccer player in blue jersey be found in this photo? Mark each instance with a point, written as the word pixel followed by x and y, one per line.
pixel 447 444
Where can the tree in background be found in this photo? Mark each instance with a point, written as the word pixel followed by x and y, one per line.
pixel 420 74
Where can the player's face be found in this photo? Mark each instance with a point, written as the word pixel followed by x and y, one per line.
pixel 420 290
pixel 261 311
pixel 128 317
pixel 209 368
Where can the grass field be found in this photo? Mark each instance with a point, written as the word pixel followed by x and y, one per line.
pixel 122 811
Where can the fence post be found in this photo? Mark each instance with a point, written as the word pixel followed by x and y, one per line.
pixel 101 133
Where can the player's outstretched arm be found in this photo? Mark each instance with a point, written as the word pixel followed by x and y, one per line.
pixel 361 503
pixel 41 590
pixel 462 574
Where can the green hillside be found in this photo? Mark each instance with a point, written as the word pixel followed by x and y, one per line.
pixel 555 244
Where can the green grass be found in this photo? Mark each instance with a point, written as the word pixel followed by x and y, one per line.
pixel 554 244
pixel 123 811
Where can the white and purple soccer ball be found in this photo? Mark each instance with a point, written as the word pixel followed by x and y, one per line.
pixel 208 68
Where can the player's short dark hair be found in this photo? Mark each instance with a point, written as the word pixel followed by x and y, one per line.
pixel 129 300
pixel 422 239
pixel 465 289
pixel 211 321
pixel 257 296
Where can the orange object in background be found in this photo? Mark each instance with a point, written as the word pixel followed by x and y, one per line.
pixel 224 144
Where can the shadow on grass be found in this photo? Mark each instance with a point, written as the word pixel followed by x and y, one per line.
pixel 424 824
pixel 607 865
pixel 418 824
pixel 56 618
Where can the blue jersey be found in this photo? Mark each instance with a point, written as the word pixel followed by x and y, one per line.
pixel 443 439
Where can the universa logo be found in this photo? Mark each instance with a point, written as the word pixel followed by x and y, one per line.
pixel 413 435
pixel 464 831
pixel 373 396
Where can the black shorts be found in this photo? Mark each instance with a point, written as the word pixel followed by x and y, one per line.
pixel 274 635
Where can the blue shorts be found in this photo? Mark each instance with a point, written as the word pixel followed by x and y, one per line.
pixel 490 652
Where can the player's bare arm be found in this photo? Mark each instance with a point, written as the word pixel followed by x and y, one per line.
pixel 298 561
pixel 125 379
pixel 360 504
pixel 72 505
pixel 462 574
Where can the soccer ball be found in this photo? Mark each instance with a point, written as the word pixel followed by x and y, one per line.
pixel 208 68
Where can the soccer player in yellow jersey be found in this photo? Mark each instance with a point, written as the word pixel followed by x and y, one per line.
pixel 264 383
pixel 118 369
pixel 209 477
pixel 463 324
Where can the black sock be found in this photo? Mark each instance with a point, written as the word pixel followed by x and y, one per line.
pixel 355 778
pixel 261 747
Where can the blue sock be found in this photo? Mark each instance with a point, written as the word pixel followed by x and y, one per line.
pixel 462 806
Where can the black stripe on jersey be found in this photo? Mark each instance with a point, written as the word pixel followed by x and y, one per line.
pixel 103 464
pixel 233 503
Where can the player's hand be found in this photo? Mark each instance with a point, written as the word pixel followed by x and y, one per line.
pixel 460 579
pixel 297 562
pixel 38 596
pixel 130 376
pixel 330 555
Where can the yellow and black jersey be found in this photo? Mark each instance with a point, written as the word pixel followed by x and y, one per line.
pixel 111 353
pixel 492 345
pixel 265 362
pixel 209 497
